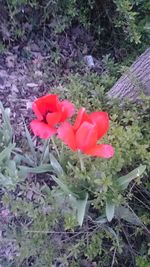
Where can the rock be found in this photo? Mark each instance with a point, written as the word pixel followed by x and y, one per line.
pixel 32 85
pixel 10 61
pixel 89 61
pixel 38 73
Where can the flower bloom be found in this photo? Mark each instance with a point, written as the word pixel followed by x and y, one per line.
pixel 86 131
pixel 49 111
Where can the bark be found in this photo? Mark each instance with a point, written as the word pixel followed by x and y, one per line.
pixel 134 81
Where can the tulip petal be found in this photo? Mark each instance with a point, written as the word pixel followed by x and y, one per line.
pixel 41 129
pixel 81 116
pixel 67 109
pixel 101 120
pixel 102 151
pixel 86 136
pixel 37 112
pixel 44 104
pixel 53 118
pixel 66 134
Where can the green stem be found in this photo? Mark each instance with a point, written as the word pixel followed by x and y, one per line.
pixel 55 147
pixel 46 142
pixel 81 161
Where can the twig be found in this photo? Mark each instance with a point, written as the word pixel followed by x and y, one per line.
pixel 131 250
pixel 147 207
pixel 53 232
pixel 113 260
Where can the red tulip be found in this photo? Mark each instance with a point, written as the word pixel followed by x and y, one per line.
pixel 49 111
pixel 86 131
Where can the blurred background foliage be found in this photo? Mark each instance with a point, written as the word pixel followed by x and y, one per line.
pixel 112 22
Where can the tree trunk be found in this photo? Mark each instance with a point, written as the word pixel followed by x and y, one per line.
pixel 135 81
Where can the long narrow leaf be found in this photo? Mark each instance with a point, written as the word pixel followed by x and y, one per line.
pixel 39 169
pixel 56 166
pixel 126 214
pixel 25 159
pixel 5 153
pixel 60 183
pixel 30 142
pixel 6 119
pixel 124 181
pixel 100 220
pixel 81 209
pixel 80 205
pixel 110 210
pixel 45 153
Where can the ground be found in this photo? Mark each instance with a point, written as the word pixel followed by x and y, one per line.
pixel 29 72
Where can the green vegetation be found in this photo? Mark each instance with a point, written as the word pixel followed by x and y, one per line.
pixel 52 210
pixel 42 221
pixel 127 20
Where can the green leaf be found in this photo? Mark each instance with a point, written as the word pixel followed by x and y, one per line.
pixel 25 159
pixel 11 168
pixel 6 119
pixel 45 153
pixel 100 220
pixel 80 206
pixel 60 183
pixel 30 142
pixel 39 169
pixel 5 180
pixel 81 209
pixel 56 166
pixel 126 179
pixel 110 210
pixel 128 215
pixel 6 152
